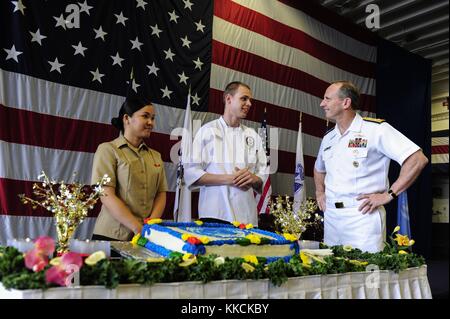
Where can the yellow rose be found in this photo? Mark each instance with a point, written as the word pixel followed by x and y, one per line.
pixel 396 229
pixel 251 259
pixel 411 242
pixel 204 240
pixel 305 258
pixel 402 252
pixel 236 224
pixel 402 240
pixel 248 267
pixel 185 237
pixel 248 226
pixel 198 222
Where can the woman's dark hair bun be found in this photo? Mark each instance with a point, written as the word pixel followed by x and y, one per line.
pixel 115 121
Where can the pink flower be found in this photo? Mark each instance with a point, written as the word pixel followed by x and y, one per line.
pixel 35 260
pixel 59 274
pixel 45 244
pixel 56 275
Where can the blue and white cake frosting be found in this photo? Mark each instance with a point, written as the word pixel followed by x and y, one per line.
pixel 220 239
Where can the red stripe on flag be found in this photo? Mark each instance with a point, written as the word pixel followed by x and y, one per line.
pixel 292 37
pixel 28 129
pixel 439 149
pixel 237 59
pixel 78 135
pixel 11 205
pixel 264 194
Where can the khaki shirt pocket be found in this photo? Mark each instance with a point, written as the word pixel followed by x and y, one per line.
pixel 123 179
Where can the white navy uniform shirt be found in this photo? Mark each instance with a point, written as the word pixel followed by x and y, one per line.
pixel 357 162
pixel 218 149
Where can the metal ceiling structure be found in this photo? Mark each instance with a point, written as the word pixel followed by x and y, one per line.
pixel 419 26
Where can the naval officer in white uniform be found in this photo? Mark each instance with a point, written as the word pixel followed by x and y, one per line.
pixel 228 162
pixel 351 171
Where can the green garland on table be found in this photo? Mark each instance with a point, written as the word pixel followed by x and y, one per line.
pixel 111 273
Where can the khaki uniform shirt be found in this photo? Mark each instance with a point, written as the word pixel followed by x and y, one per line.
pixel 137 174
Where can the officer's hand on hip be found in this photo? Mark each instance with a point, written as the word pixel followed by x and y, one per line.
pixel 373 201
pixel 321 201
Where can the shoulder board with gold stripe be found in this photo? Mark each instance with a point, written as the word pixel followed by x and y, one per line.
pixel 329 130
pixel 371 119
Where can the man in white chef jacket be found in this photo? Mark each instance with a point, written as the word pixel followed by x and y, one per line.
pixel 228 162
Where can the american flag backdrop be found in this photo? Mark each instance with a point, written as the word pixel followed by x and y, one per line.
pixel 62 79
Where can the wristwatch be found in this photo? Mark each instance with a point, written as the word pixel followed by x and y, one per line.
pixel 393 195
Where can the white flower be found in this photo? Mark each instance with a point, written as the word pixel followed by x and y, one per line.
pixel 219 261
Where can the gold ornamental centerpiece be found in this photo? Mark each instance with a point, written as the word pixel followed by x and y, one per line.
pixel 295 222
pixel 69 204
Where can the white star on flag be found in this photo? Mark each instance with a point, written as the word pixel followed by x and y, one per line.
pixel 99 33
pixel 120 18
pixel 141 4
pixel 84 7
pixel 198 64
pixel 200 26
pixel 56 66
pixel 153 69
pixel 18 5
pixel 60 22
pixel 169 54
pixel 37 37
pixel 196 99
pixel 186 42
pixel 97 75
pixel 136 44
pixel 155 30
pixel 183 78
pixel 117 59
pixel 79 49
pixel 12 53
pixel 173 16
pixel 188 4
pixel 166 92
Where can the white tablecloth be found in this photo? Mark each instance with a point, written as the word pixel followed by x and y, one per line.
pixel 409 284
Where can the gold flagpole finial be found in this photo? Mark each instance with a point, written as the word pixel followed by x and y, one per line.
pixel 301 114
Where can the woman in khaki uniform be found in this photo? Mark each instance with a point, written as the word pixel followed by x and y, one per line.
pixel 138 185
